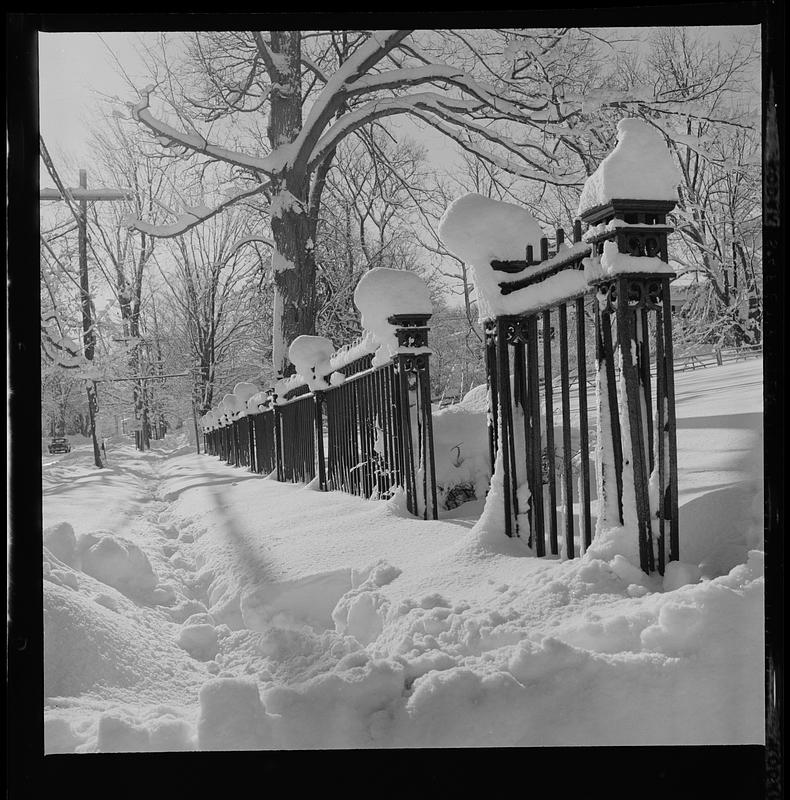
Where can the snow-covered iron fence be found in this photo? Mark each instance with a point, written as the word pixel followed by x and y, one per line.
pixel 263 458
pixel 295 433
pixel 636 454
pixel 379 424
pixel 616 277
pixel 367 431
pixel 525 355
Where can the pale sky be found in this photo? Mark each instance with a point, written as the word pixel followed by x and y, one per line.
pixel 73 67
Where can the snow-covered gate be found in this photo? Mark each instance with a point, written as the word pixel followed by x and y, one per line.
pixel 538 440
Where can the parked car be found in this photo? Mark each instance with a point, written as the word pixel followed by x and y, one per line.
pixel 60 444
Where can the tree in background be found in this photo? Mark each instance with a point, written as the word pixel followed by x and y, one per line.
pixel 215 284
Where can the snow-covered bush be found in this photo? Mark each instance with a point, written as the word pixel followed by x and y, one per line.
pixel 460 435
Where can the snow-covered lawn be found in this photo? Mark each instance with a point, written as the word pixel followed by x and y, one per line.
pixel 216 609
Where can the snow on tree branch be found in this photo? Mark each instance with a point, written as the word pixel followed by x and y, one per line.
pixel 191 217
pixel 333 95
pixel 384 107
pixel 168 136
pixel 492 158
pixel 414 76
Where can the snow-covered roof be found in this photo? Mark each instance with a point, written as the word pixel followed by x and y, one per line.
pixel 639 168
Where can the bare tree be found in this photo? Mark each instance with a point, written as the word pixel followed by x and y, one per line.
pixel 214 284
pixel 315 90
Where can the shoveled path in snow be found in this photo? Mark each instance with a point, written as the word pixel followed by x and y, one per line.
pixel 357 625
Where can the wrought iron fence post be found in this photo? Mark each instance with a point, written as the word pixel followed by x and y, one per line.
pixel 251 443
pixel 633 297
pixel 492 418
pixel 412 362
pixel 235 449
pixel 319 397
pixel 278 438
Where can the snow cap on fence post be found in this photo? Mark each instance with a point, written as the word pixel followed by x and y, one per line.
pixel 479 230
pixel 224 412
pixel 310 355
pixel 257 402
pixel 625 203
pixel 383 293
pixel 232 406
pixel 242 392
pixel 639 167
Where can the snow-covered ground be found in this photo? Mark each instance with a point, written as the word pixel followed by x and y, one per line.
pixel 188 604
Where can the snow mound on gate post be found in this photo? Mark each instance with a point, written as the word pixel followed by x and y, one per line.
pixel 383 293
pixel 243 392
pixel 310 355
pixel 640 166
pixel 479 230
pixel 232 406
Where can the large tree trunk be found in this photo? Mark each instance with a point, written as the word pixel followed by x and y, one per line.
pixel 293 261
pixel 294 286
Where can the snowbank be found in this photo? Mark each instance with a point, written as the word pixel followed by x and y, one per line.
pixel 321 620
pixel 640 167
pixel 117 562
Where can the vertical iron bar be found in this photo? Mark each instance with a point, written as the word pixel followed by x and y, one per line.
pixel 493 400
pixel 505 424
pixel 626 327
pixel 614 411
pixel 429 463
pixel 520 399
pixel 644 359
pixel 581 361
pixel 319 398
pixel 674 544
pixel 407 444
pixel 548 394
pixel 396 424
pixel 661 439
pixel 278 443
pixel 566 431
pixel 533 409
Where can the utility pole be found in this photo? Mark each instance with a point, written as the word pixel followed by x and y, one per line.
pixel 82 196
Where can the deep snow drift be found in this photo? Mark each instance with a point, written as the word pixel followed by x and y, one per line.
pixel 191 605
